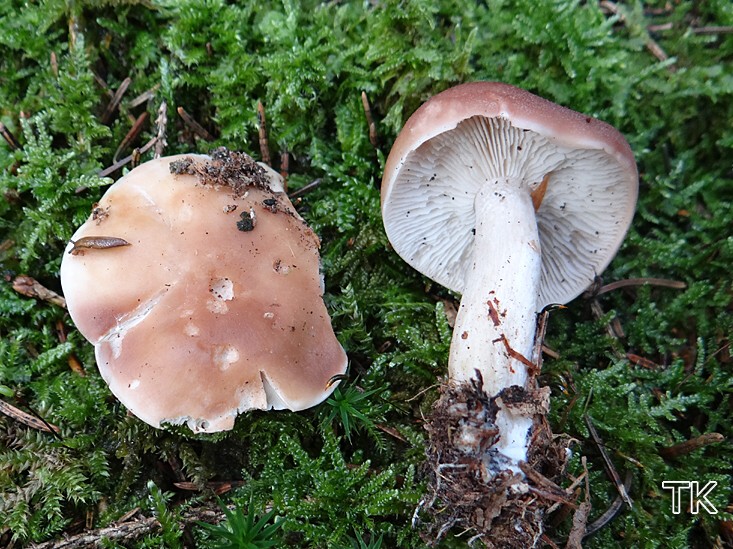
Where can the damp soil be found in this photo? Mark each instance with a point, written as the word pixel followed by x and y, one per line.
pixel 470 486
pixel 236 170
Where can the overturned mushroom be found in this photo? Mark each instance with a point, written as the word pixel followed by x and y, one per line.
pixel 196 318
pixel 515 203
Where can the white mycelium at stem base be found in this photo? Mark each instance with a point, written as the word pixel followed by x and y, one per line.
pixel 498 306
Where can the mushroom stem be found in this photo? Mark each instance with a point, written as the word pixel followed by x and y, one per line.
pixel 495 327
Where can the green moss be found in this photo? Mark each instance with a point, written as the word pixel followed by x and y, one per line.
pixel 349 470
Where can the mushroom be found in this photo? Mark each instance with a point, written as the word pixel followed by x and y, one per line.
pixel 516 203
pixel 203 298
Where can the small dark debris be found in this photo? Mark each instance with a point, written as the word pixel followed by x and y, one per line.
pixel 247 222
pixel 524 402
pixel 227 169
pixel 270 204
pixel 99 214
pixel 182 167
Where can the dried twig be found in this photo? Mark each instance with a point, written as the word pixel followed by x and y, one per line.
pixel 663 282
pixel 569 490
pixel 285 168
pixel 540 339
pixel 516 355
pixel 688 446
pixel 115 101
pixel 131 135
pixel 195 127
pixel 102 84
pixel 548 489
pixel 144 97
pixel 120 163
pixel 220 487
pixel 712 30
pixel 391 431
pixel 373 138
pixel 159 141
pixel 127 532
pixel 660 28
pixel 614 328
pixel 643 362
pixel 657 51
pixel 30 287
pixel 306 188
pixel 54 64
pixel 9 137
pixel 127 516
pixel 610 513
pixel 580 518
pixel 27 419
pixel 161 122
pixel 610 469
pixel 649 42
pixel 262 124
pixel 550 352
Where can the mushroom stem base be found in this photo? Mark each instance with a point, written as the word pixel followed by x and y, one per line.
pixel 471 487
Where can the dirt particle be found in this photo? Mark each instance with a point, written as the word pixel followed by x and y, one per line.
pixel 99 214
pixel 270 204
pixel 226 168
pixel 246 223
pixel 281 268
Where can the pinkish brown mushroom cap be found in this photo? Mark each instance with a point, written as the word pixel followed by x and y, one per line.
pixel 214 305
pixel 473 134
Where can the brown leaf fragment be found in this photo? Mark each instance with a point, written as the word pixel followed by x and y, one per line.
pixel 195 127
pixel 516 355
pixel 76 366
pixel 391 431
